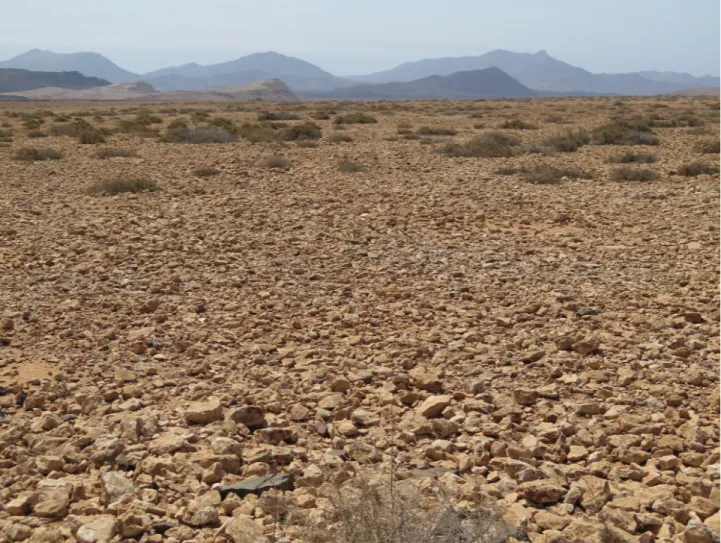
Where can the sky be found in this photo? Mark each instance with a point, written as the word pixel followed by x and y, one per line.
pixel 353 38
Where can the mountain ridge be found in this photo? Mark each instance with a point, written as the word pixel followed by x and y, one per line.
pixel 15 80
pixel 87 63
pixel 538 71
pixel 486 83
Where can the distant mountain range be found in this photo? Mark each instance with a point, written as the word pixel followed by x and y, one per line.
pixel 540 71
pixel 12 80
pixel 532 72
pixel 486 83
pixel 298 74
pixel 89 64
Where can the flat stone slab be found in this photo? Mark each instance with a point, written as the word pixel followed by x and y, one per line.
pixel 258 485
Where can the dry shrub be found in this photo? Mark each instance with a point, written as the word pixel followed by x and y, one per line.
pixel 37 134
pixel 350 167
pixel 305 131
pixel 697 167
pixel 517 124
pixel 123 184
pixel 709 147
pixel 545 174
pixel 490 144
pixel 209 134
pixel 307 144
pixel 90 137
pixel 257 132
pixel 71 129
pixel 508 170
pixel 568 142
pixel 320 116
pixel 31 154
pixel 145 118
pixel 387 511
pixel 336 137
pixel 623 133
pixel 33 123
pixel 5 134
pixel 225 124
pixel 632 157
pixel 129 126
pixel 205 171
pixel 355 118
pixel 280 116
pixel 556 119
pixel 697 131
pixel 627 173
pixel 436 131
pixel 111 153
pixel 178 132
pixel 277 161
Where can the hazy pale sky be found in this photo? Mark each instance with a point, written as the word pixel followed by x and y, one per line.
pixel 348 37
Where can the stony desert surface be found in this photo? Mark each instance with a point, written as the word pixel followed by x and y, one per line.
pixel 225 357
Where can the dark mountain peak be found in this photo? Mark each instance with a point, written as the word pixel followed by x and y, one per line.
pixel 88 63
pixel 489 82
pixel 18 80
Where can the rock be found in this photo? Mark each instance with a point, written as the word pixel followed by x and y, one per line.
pixel 525 396
pixel 242 529
pixel 100 529
pixel 213 474
pixel 167 444
pixel 299 412
pixel 55 506
pixel 533 355
pixel 586 345
pixel 250 415
pixel 426 378
pixel 46 464
pixel 542 492
pixel 363 453
pixel 133 525
pixel 225 445
pixel 596 493
pixel 204 412
pixel 340 384
pixel 312 476
pixel 713 523
pixel 201 516
pixel 345 428
pixel 434 406
pixel 16 531
pixel 696 532
pixel 550 521
pixel 116 486
pixel 363 417
pixel 275 436
pixel 258 485
pixel 22 505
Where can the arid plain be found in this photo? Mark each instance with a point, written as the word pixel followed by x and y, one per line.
pixel 508 306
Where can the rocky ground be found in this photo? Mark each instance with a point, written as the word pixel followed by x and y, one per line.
pixel 550 350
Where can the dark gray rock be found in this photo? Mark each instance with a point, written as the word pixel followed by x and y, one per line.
pixel 258 485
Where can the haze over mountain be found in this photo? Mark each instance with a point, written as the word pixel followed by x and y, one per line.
pixel 486 83
pixel 538 71
pixel 296 73
pixel 12 80
pixel 542 72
